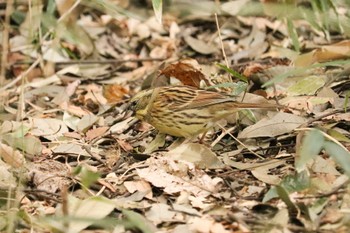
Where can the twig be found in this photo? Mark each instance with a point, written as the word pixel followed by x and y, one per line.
pixel 222 44
pixel 324 115
pixel 237 140
pixel 95 156
pixel 224 132
pixel 87 62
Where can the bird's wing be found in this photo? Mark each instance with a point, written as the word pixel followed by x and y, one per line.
pixel 204 98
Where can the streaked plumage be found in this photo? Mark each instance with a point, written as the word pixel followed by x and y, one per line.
pixel 185 111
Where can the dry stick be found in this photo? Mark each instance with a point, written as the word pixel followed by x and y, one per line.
pixel 225 57
pixel 222 44
pixel 5 41
pixel 87 62
pixel 37 61
pixel 309 122
pixel 223 134
pixel 237 140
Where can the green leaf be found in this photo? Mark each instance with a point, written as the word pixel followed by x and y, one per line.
pixel 51 7
pixel 293 34
pixel 20 132
pixel 284 195
pixel 138 221
pixel 291 183
pixel 110 8
pixel 337 135
pixel 249 114
pixel 311 147
pixel 303 70
pixel 82 213
pixel 87 177
pixel 339 154
pixel 158 8
pixel 307 86
pixel 238 87
pixel 317 208
pixel 18 17
pixel 232 72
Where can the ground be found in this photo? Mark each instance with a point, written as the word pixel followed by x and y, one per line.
pixel 73 157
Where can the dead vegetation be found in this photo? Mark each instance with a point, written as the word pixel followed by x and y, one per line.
pixel 74 158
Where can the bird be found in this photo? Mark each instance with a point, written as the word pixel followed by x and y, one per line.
pixel 185 111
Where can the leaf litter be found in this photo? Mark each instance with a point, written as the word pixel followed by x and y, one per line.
pixel 67 133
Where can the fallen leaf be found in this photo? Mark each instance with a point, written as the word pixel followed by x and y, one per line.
pixel 337 51
pixel 95 133
pixel 196 153
pixel 160 213
pixel 159 173
pixel 7 179
pixel 29 143
pixel 306 86
pixel 187 71
pixel 48 128
pixel 12 157
pixel 86 122
pixel 279 124
pixel 114 93
pixel 90 209
pixel 141 186
pixel 200 46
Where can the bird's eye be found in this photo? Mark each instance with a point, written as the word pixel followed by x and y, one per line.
pixel 132 105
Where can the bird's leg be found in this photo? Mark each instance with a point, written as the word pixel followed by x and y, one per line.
pixel 201 139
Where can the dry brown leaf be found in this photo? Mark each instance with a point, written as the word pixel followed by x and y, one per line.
pixel 86 122
pixel 75 110
pixel 196 153
pixel 12 157
pixel 187 71
pixel 201 46
pixel 339 117
pixel 125 145
pixel 337 51
pixel 74 135
pixel 160 213
pixel 206 225
pixel 94 133
pixel 114 93
pixel 263 172
pixel 279 124
pixel 70 148
pixel 140 186
pixel 173 177
pixel 48 128
pixel 33 73
pixel 95 94
pixel 252 69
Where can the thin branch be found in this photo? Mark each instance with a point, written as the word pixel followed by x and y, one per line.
pixel 222 44
pixel 87 62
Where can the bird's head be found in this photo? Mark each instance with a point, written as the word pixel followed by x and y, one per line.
pixel 140 102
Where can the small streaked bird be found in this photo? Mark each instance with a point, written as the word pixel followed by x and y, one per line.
pixel 185 111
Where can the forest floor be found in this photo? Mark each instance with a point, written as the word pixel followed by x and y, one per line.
pixel 73 157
